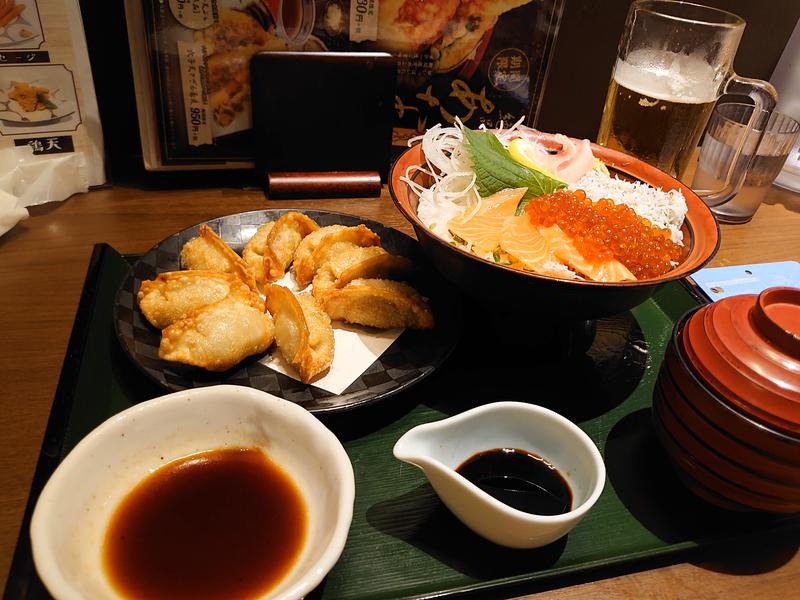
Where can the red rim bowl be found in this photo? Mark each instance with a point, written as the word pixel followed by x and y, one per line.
pixel 746 351
pixel 744 453
pixel 702 480
pixel 567 298
pixel 722 453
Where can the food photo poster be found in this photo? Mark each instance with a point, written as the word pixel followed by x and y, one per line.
pixel 482 63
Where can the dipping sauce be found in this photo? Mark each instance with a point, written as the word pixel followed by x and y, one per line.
pixel 226 523
pixel 520 479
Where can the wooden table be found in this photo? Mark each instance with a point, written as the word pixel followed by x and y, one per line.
pixel 43 262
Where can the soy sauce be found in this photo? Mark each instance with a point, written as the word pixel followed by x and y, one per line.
pixel 225 524
pixel 520 479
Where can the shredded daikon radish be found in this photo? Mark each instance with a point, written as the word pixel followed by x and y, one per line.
pixel 452 196
pixel 453 191
pixel 438 145
pixel 506 135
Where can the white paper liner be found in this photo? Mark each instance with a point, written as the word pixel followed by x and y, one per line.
pixel 355 349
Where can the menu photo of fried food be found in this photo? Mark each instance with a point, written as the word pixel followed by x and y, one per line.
pixel 36 96
pixel 241 30
pixel 449 31
pixel 19 24
pixel 30 98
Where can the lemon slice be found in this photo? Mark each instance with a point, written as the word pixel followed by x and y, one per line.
pixel 599 165
pixel 523 151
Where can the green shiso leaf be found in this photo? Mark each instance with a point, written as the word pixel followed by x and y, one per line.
pixel 42 97
pixel 495 170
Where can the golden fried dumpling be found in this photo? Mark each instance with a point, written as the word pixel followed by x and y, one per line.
pixel 209 252
pixel 253 253
pixel 338 273
pixel 346 256
pixel 302 257
pixel 316 249
pixel 171 296
pixel 303 332
pixel 218 336
pixel 282 241
pixel 378 303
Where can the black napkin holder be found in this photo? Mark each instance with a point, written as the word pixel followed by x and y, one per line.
pixel 322 122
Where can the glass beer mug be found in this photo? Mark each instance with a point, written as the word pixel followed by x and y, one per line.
pixel 674 61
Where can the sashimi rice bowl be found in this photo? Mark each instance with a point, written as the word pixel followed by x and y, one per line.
pixel 550 208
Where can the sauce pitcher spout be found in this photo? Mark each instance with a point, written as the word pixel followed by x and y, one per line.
pixel 517 474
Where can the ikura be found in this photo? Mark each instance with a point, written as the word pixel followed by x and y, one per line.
pixel 603 230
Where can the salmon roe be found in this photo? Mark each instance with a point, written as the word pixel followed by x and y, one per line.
pixel 602 230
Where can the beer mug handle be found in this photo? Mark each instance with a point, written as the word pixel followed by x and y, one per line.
pixel 764 98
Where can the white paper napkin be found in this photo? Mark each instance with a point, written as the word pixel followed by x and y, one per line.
pixel 11 212
pixel 27 180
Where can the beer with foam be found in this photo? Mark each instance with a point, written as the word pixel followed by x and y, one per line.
pixel 657 106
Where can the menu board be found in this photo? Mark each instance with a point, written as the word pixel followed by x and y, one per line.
pixel 483 62
pixel 47 101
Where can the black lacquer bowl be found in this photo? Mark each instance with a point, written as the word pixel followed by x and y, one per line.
pixel 513 289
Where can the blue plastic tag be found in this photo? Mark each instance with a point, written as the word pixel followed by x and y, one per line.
pixel 721 282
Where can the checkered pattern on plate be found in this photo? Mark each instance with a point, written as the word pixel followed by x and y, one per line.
pixel 414 355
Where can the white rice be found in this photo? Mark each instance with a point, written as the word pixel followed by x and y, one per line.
pixel 663 209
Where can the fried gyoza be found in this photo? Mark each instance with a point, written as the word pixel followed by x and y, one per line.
pixel 283 240
pixel 381 266
pixel 209 252
pixel 316 249
pixel 253 253
pixel 303 332
pixel 302 257
pixel 171 296
pixel 353 264
pixel 218 336
pixel 346 257
pixel 378 303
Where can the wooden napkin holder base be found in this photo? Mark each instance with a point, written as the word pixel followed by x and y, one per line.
pixel 322 122
pixel 324 184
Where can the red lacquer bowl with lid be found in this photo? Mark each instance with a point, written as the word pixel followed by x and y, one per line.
pixel 727 401
pixel 747 349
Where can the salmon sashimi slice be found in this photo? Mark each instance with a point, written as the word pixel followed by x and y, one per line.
pixel 522 240
pixel 482 227
pixel 482 231
pixel 503 202
pixel 563 247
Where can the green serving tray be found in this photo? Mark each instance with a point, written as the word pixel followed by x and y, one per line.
pixel 403 542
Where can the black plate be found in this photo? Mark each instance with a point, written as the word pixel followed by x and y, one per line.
pixel 412 356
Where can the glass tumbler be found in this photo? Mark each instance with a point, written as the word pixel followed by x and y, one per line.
pixel 764 149
pixel 675 59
